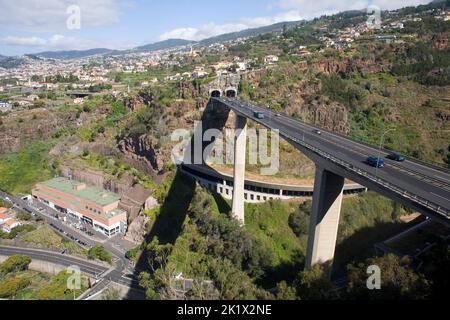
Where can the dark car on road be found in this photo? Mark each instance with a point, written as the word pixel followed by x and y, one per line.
pixel 375 162
pixel 396 157
pixel 259 115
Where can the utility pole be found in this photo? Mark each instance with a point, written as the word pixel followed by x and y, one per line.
pixel 379 151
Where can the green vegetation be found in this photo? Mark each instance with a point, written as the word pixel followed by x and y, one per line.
pixel 45 237
pixel 10 287
pixel 99 252
pixel 19 230
pixel 57 289
pixel 398 280
pixel 14 264
pixel 426 59
pixel 21 171
pixel 117 168
pixel 19 283
pixel 5 204
pixel 24 216
pixel 268 252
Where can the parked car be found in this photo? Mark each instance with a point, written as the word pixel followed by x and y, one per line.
pixel 375 162
pixel 396 157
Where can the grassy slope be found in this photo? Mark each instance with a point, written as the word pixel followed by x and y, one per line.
pixel 45 237
pixel 20 171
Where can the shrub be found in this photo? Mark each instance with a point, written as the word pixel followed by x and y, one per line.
pixel 14 264
pixel 99 252
pixel 10 287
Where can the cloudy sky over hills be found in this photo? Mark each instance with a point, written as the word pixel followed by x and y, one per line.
pixel 29 26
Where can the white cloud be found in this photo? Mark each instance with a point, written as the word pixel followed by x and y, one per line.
pixel 212 29
pixel 51 15
pixel 294 10
pixel 60 42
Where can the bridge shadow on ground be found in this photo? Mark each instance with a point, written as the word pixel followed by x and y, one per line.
pixel 169 223
pixel 286 271
pixel 361 245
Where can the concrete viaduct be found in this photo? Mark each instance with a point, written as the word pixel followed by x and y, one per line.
pixel 418 185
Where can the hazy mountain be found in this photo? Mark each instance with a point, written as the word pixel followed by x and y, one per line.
pixel 278 27
pixel 166 44
pixel 72 54
pixel 11 62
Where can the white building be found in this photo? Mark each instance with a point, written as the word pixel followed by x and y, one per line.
pixel 271 59
pixel 10 224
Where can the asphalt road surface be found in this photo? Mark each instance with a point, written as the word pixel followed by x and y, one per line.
pixel 87 267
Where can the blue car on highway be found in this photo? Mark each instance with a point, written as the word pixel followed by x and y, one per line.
pixel 396 157
pixel 375 162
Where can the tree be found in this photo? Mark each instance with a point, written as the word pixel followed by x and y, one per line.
pixel 286 292
pixel 10 287
pixel 38 104
pixel 314 284
pixel 111 294
pixel 398 280
pixel 99 252
pixel 14 264
pixel 298 221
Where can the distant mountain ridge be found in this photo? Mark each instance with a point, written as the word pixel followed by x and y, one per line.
pixel 71 54
pixel 166 44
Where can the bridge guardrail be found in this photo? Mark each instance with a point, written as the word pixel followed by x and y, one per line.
pixel 378 180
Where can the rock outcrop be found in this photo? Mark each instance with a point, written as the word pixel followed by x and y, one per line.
pixel 137 229
pixel 141 152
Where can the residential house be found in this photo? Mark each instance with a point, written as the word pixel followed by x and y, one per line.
pixel 271 59
pixel 10 224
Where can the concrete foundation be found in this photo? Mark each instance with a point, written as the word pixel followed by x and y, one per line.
pixel 324 221
pixel 240 144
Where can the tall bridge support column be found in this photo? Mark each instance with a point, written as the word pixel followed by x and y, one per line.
pixel 240 144
pixel 324 221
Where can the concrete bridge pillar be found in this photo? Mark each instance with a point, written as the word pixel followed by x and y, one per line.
pixel 240 144
pixel 324 220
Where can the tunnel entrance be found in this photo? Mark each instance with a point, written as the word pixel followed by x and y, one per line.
pixel 215 94
pixel 231 93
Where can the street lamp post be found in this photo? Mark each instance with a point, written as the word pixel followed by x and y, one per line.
pixel 379 151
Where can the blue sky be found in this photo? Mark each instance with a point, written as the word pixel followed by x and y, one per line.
pixel 29 26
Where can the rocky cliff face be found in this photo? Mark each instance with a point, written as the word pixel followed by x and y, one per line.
pixel 137 230
pixel 345 66
pixel 142 153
